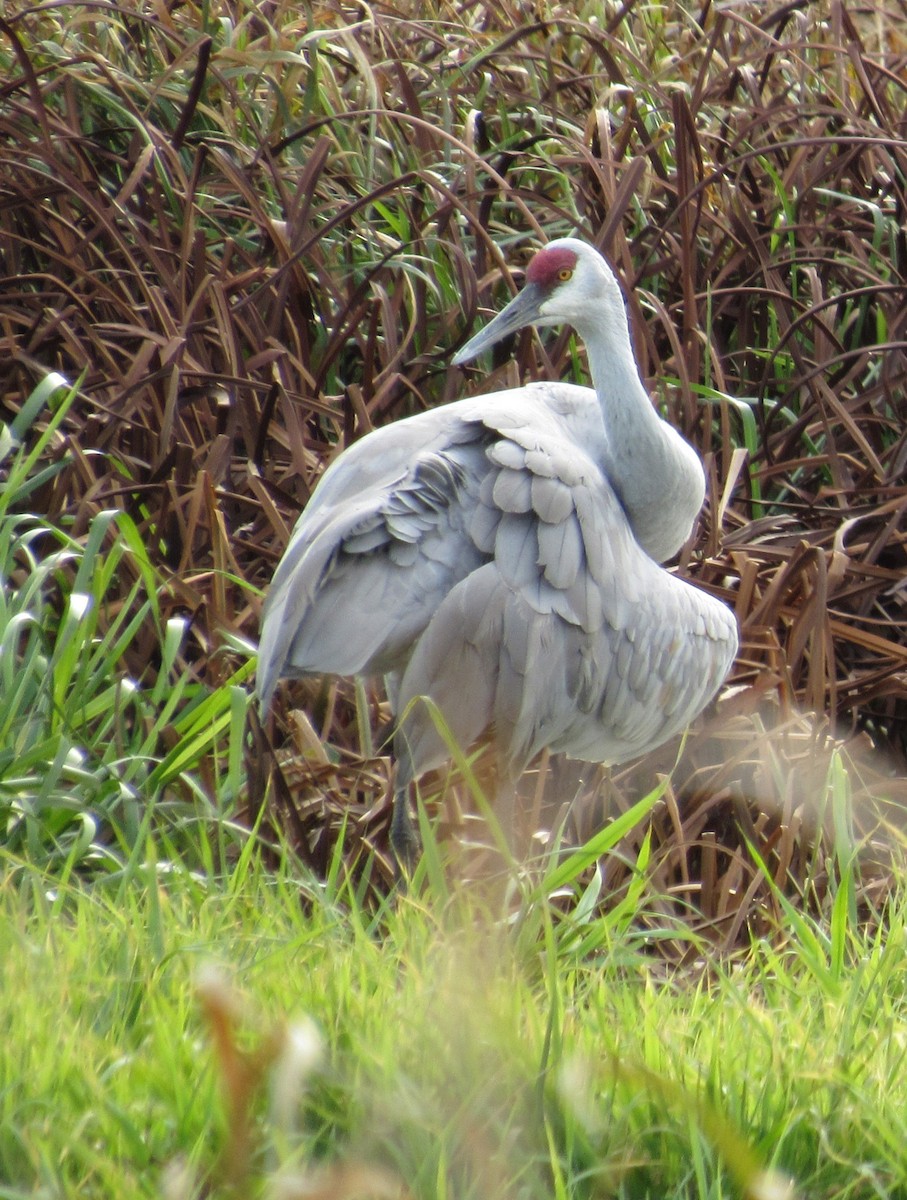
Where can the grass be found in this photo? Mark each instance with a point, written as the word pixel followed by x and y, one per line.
pixel 235 237
pixel 453 1056
pixel 90 750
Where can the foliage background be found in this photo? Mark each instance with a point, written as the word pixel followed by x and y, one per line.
pixel 255 232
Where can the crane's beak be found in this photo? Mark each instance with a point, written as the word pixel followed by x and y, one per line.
pixel 523 310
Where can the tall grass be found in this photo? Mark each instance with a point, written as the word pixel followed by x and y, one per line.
pixel 230 1040
pixel 95 742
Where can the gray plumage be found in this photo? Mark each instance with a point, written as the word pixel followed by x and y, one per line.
pixel 501 555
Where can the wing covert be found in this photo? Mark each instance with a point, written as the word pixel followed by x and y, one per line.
pixel 360 580
pixel 555 528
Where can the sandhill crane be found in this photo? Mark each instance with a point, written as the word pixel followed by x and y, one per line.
pixel 501 555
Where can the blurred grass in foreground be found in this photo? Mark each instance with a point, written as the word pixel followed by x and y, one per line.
pixel 447 1054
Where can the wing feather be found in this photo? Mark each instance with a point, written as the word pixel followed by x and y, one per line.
pixel 516 549
pixel 489 563
pixel 561 552
pixel 552 498
pixel 361 577
pixel 512 491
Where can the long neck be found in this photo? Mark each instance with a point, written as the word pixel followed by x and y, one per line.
pixel 657 475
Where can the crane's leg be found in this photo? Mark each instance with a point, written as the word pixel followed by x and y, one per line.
pixel 404 838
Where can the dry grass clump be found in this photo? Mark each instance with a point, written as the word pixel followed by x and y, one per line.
pixel 261 232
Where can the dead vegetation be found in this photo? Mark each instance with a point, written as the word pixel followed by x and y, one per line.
pixel 260 238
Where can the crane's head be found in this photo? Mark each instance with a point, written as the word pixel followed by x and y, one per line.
pixel 567 283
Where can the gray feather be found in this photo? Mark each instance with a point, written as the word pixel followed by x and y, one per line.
pixel 508 454
pixel 552 499
pixel 516 549
pixel 561 552
pixel 512 491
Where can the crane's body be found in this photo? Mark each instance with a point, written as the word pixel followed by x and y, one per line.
pixel 501 555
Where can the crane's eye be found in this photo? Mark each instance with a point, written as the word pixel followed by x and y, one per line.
pixel 564 274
